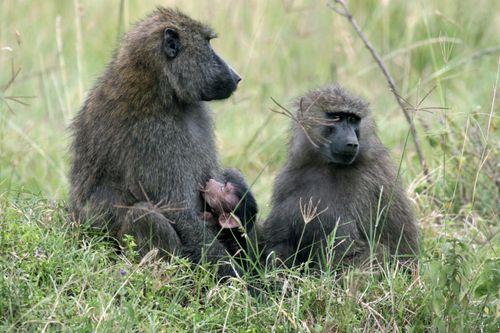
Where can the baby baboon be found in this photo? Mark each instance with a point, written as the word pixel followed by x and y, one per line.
pixel 144 142
pixel 339 180
pixel 232 210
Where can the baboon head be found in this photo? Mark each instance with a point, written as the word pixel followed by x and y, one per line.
pixel 331 125
pixel 221 197
pixel 231 203
pixel 176 50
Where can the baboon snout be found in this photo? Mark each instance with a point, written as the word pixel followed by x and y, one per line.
pixel 348 149
pixel 347 142
pixel 344 150
pixel 222 84
pixel 236 77
pixel 351 147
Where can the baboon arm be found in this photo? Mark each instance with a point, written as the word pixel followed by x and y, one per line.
pixel 107 210
pixel 276 236
pixel 280 253
pixel 248 206
pixel 171 233
pixel 150 229
pixel 402 231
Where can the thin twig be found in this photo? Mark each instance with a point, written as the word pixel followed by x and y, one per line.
pixel 13 98
pixel 306 120
pixel 344 11
pixel 158 208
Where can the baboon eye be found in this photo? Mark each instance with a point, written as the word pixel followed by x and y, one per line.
pixel 352 119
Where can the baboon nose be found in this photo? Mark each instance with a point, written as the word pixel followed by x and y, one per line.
pixel 235 75
pixel 236 78
pixel 351 147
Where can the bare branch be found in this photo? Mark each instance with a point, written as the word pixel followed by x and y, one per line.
pixel 152 208
pixel 306 120
pixel 344 11
pixel 12 98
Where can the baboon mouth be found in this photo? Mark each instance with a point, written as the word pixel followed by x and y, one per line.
pixel 219 90
pixel 343 159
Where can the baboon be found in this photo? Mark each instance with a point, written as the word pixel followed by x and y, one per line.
pixel 232 211
pixel 144 139
pixel 338 184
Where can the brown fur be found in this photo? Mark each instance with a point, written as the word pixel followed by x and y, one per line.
pixel 144 142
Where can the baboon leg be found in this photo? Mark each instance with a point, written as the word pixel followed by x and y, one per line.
pixel 359 255
pixel 280 254
pixel 150 229
pixel 253 246
pixel 401 234
pixel 408 245
pixel 405 249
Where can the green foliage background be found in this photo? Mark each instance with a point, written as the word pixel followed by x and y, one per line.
pixel 55 276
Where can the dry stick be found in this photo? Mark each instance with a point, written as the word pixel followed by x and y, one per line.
pixel 392 85
pixel 79 47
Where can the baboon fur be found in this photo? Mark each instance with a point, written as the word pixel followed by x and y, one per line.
pixel 144 139
pixel 357 204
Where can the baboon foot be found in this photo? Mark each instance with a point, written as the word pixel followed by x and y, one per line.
pixel 150 229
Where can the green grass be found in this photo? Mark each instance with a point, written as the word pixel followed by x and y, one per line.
pixel 57 276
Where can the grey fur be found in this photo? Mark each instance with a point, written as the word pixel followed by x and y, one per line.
pixel 346 197
pixel 144 140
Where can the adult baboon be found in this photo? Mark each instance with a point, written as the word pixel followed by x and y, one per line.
pixel 143 140
pixel 338 181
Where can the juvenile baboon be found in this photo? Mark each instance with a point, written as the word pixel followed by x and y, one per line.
pixel 338 182
pixel 232 211
pixel 144 142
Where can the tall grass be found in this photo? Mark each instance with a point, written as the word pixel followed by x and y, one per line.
pixel 57 276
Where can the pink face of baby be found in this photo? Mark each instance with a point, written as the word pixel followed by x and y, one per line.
pixel 220 197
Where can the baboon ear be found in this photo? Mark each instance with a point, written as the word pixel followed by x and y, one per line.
pixel 171 43
pixel 229 221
